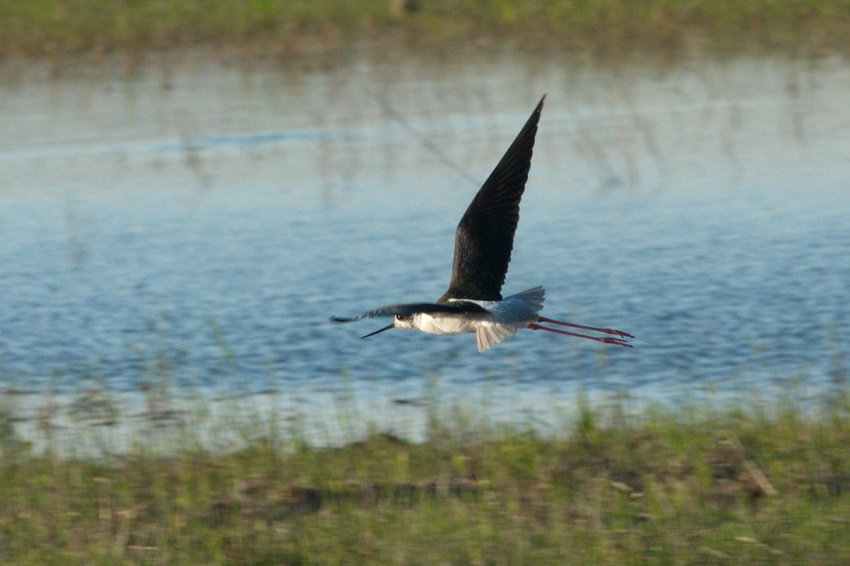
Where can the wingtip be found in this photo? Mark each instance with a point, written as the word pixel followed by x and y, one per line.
pixel 540 104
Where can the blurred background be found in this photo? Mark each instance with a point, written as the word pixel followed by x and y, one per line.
pixel 190 191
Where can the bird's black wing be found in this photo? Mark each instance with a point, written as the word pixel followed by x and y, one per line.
pixel 485 236
pixel 413 308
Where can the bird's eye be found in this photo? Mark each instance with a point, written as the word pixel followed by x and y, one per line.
pixel 402 317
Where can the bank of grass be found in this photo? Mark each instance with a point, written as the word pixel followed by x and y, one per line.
pixel 752 484
pixel 296 28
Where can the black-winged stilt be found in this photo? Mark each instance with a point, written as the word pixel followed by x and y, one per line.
pixel 483 244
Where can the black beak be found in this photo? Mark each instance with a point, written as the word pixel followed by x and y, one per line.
pixel 378 331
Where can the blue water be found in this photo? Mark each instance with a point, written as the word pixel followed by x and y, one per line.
pixel 730 266
pixel 715 290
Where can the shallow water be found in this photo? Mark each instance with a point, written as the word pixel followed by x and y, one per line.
pixel 199 222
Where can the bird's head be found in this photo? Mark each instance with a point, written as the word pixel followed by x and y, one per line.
pixel 403 321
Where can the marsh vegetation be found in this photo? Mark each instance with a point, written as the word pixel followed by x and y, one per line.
pixel 751 483
pixel 291 30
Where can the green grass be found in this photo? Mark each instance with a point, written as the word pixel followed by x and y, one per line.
pixel 293 29
pixel 753 484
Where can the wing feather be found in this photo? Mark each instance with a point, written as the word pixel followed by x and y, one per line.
pixel 485 236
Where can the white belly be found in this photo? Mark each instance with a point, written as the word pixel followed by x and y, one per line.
pixel 444 324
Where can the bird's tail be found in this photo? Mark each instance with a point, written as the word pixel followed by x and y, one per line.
pixel 509 315
pixel 522 306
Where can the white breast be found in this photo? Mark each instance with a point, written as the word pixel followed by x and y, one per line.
pixel 444 324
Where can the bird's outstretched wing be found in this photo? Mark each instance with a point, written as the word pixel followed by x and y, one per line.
pixel 485 236
pixel 413 308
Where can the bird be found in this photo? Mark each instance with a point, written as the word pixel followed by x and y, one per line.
pixel 484 240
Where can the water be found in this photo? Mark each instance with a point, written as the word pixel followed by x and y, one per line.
pixel 202 221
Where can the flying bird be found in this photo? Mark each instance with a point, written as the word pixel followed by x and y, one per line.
pixel 483 243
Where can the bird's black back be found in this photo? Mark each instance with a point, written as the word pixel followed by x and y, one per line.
pixel 485 236
pixel 408 309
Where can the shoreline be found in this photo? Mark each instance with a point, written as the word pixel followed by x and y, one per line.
pixel 319 34
pixel 97 423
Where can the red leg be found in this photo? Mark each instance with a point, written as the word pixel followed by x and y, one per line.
pixel 619 333
pixel 617 341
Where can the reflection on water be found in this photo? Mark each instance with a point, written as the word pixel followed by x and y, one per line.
pixel 203 221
